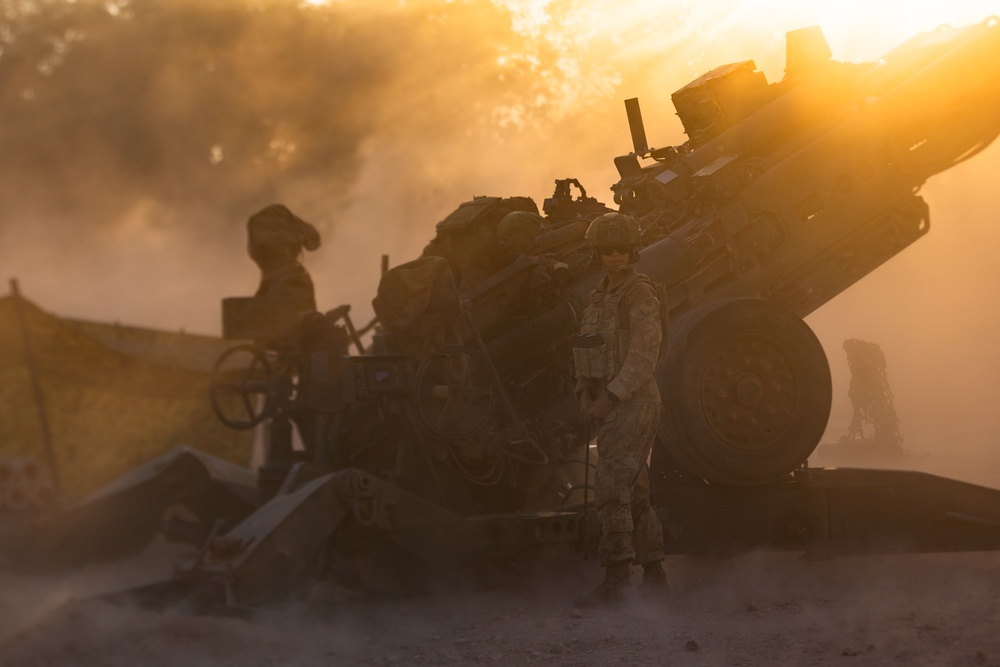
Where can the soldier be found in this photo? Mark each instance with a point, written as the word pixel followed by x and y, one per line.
pixel 615 353
pixel 275 239
pixel 516 234
pixel 476 241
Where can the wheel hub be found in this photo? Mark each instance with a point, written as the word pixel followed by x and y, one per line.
pixel 749 392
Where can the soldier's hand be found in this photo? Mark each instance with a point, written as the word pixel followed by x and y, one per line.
pixel 585 407
pixel 599 409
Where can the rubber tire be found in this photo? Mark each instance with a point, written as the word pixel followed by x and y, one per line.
pixel 746 392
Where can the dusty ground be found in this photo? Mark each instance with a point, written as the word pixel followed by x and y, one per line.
pixel 762 609
pixel 758 609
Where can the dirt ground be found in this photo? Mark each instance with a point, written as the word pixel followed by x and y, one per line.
pixel 757 609
pixel 761 609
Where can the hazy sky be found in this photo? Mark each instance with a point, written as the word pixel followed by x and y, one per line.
pixel 137 137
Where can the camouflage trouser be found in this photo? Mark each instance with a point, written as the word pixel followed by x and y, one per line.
pixel 630 529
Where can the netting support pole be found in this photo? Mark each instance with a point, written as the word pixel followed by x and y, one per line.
pixel 36 387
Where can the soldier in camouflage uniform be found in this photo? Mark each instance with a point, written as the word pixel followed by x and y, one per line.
pixel 483 236
pixel 614 354
pixel 516 234
pixel 275 240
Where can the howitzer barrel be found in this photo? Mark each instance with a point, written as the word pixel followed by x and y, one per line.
pixel 668 261
pixel 937 82
pixel 789 120
pixel 948 105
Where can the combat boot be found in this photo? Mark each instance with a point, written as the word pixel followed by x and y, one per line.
pixel 611 590
pixel 654 579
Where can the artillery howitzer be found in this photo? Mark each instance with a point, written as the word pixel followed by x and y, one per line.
pixel 452 444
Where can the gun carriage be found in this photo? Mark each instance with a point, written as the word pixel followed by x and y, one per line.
pixel 451 445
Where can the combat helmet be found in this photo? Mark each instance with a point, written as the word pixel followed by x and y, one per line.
pixel 615 229
pixel 276 235
pixel 518 229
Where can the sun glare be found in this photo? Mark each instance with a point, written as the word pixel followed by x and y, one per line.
pixel 859 27
pixel 853 24
pixel 593 41
pixel 614 31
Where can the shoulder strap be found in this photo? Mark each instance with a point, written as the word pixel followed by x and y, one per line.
pixel 661 296
pixel 623 319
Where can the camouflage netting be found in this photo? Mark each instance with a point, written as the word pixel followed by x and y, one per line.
pixel 107 411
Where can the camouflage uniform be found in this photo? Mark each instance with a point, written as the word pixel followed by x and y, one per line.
pixel 517 232
pixel 622 365
pixel 275 239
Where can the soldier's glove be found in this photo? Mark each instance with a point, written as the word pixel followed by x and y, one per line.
pixel 600 408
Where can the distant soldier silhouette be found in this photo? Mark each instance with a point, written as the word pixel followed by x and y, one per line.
pixel 275 240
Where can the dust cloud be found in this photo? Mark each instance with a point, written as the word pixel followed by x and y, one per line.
pixel 931 310
pixel 137 137
pixel 137 141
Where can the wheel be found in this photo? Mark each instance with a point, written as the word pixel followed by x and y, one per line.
pixel 455 392
pixel 746 392
pixel 241 382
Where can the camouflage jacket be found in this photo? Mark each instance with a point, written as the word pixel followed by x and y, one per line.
pixel 624 325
